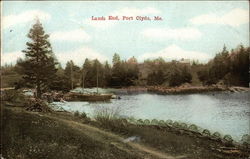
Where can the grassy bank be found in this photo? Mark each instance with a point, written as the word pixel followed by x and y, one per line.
pixel 28 135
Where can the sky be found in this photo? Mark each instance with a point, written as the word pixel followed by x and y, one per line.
pixel 194 30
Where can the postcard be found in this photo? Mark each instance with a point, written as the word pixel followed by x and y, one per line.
pixel 125 80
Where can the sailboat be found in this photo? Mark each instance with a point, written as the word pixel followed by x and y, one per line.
pixel 83 96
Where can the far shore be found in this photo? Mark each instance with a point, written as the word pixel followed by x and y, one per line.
pixel 185 89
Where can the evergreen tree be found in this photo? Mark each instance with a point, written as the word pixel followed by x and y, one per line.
pixel 38 68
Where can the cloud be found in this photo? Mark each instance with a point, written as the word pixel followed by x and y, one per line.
pixel 168 33
pixel 11 57
pixel 24 17
pixel 100 24
pixel 79 55
pixel 132 11
pixel 73 35
pixel 235 17
pixel 136 11
pixel 174 52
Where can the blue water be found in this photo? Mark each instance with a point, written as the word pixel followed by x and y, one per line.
pixel 227 113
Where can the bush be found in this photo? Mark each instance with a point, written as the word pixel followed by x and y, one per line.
pixel 37 105
pixel 124 121
pixel 140 121
pixel 14 96
pixel 83 115
pixel 206 132
pixel 106 113
pixel 169 122
pixel 161 123
pixel 217 135
pixel 193 127
pixel 228 138
pixel 154 122
pixel 176 124
pixel 147 122
pixel 132 120
pixel 76 114
pixel 183 125
pixel 246 139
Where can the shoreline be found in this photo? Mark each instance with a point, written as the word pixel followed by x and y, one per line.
pixel 170 137
pixel 184 89
pixel 166 140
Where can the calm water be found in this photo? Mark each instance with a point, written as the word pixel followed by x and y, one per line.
pixel 227 113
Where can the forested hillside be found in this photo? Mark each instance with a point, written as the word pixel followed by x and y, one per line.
pixel 228 68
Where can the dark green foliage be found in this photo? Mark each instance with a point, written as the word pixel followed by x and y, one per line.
pixel 154 122
pixel 61 82
pixel 217 135
pixel 72 75
pixel 246 139
pixel 38 67
pixel 76 114
pixel 169 122
pixel 228 138
pixel 124 73
pixel 179 74
pixel 83 115
pixel 226 68
pixel 206 132
pixel 172 73
pixel 230 68
pixel 193 127
pixel 146 121
pixel 9 76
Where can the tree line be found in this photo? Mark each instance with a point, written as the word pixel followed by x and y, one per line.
pixel 41 70
pixel 229 68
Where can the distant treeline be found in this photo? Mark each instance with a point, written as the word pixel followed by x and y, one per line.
pixel 228 68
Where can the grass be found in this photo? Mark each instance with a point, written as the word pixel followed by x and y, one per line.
pixel 33 135
pixel 171 141
pixel 54 135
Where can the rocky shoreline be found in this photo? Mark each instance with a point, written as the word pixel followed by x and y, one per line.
pixel 185 89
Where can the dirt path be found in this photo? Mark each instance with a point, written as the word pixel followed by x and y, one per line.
pixel 117 141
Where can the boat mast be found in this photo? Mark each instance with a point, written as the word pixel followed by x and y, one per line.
pixel 71 74
pixel 83 80
pixel 97 77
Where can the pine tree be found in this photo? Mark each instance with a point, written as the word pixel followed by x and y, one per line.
pixel 38 68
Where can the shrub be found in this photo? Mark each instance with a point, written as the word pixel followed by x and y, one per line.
pixel 246 139
pixel 132 120
pixel 140 121
pixel 83 115
pixel 106 113
pixel 228 138
pixel 206 132
pixel 183 125
pixel 76 114
pixel 37 105
pixel 176 124
pixel 124 121
pixel 146 122
pixel 154 122
pixel 161 123
pixel 193 127
pixel 169 122
pixel 217 135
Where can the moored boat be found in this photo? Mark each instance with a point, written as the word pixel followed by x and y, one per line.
pixel 72 96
